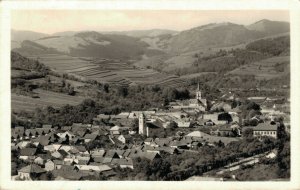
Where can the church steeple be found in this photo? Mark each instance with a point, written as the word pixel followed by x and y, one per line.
pixel 198 93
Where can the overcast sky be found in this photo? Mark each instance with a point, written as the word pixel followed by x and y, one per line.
pixel 51 21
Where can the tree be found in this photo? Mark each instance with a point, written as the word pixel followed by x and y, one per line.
pixel 135 125
pixel 71 91
pixel 248 132
pixel 122 91
pixel 106 88
pixel 63 82
pixel 173 125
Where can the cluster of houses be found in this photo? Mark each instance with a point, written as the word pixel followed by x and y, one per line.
pixel 82 151
pixel 63 152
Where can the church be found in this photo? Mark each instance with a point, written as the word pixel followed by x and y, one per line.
pixel 199 104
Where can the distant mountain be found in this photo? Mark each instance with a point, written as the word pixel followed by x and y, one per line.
pixel 139 44
pixel 211 35
pixel 28 48
pixel 143 33
pixel 21 35
pixel 270 27
pixel 89 44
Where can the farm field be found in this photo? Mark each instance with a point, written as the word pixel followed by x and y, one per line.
pixel 47 98
pixel 107 71
pixel 264 69
pixel 62 63
pixel 195 75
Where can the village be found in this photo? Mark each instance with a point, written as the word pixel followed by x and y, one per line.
pixel 80 151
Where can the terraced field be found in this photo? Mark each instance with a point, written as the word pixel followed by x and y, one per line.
pixel 264 69
pixel 47 98
pixel 107 71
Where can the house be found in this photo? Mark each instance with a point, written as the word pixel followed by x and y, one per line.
pixel 179 144
pixel 162 141
pixel 23 144
pixel 66 135
pixel 52 147
pixel 149 155
pixel 49 165
pixel 90 137
pixel 97 168
pixel 111 154
pixel 27 153
pixel 15 136
pixel 58 164
pixel 108 173
pixel 265 129
pixel 19 130
pixel 183 124
pixel 43 140
pixel 124 138
pixel 103 160
pixel 30 172
pixel 66 148
pixel 47 126
pixel 149 148
pixel 83 160
pixel 148 141
pixel 97 153
pixel 115 130
pixel 39 161
pixel 59 154
pixel 123 163
pixel 169 150
pixel 67 172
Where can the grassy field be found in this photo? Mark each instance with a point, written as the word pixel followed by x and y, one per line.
pixel 47 98
pixel 264 69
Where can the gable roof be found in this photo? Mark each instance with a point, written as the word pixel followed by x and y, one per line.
pixel 122 161
pixel 98 153
pixel 149 155
pixel 115 128
pixel 265 127
pixel 28 151
pixel 47 126
pixel 104 160
pixel 32 168
pixel 90 136
pixel 43 140
pixel 111 154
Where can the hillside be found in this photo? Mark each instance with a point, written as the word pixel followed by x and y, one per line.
pixel 211 35
pixel 159 56
pixel 270 27
pixel 88 44
pixel 28 48
pixel 143 33
pixel 21 35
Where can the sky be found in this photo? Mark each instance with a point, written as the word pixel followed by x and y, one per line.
pixel 51 21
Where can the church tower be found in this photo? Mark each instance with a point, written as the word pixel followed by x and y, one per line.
pixel 141 124
pixel 198 93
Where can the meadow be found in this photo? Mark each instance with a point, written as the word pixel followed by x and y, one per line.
pixel 46 98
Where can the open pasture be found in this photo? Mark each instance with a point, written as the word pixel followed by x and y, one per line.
pixel 47 98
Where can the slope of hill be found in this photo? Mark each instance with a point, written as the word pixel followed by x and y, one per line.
pixel 270 27
pixel 88 44
pixel 143 33
pixel 211 35
pixel 21 35
pixel 28 48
